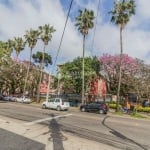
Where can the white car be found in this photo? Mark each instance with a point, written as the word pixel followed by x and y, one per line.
pixel 23 99
pixel 10 98
pixel 56 103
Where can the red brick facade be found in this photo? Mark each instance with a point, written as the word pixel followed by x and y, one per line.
pixel 97 88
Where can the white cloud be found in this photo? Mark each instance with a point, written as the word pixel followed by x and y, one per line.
pixel 107 39
pixel 136 35
pixel 143 10
pixel 136 44
pixel 22 15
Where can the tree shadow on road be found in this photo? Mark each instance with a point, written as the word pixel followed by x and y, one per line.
pixel 120 135
pixel 56 136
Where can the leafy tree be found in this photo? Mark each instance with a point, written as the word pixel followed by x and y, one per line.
pixel 84 22
pixel 7 70
pixel 11 77
pixel 141 81
pixel 121 14
pixel 38 58
pixel 71 73
pixel 110 65
pixel 10 44
pixel 5 52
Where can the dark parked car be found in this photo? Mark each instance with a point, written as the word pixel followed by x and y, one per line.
pixel 1 97
pixel 74 102
pixel 9 98
pixel 146 103
pixel 99 107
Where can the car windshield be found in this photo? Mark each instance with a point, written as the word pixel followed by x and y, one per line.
pixel 51 100
pixel 93 103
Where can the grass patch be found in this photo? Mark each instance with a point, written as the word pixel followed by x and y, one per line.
pixel 118 113
pixel 134 115
pixel 137 115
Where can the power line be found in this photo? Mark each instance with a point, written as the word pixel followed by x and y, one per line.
pixel 98 7
pixel 58 50
pixel 63 34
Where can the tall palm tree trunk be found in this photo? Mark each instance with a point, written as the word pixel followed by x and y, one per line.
pixel 38 94
pixel 49 81
pixel 17 55
pixel 42 65
pixel 83 70
pixel 120 70
pixel 28 68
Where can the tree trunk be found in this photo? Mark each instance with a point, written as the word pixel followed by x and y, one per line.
pixel 42 65
pixel 49 81
pixel 83 70
pixel 28 68
pixel 120 64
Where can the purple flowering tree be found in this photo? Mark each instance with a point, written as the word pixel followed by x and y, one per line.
pixel 110 70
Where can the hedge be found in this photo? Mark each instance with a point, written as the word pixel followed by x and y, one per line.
pixel 143 109
pixel 139 108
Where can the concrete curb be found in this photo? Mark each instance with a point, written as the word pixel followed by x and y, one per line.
pixel 111 112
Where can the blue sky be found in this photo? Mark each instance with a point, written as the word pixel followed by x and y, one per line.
pixel 17 16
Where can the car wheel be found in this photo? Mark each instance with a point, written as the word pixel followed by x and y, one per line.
pixel 58 108
pixel 105 112
pixel 83 109
pixel 44 106
pixel 101 111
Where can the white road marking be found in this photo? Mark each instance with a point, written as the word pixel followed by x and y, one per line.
pixel 45 119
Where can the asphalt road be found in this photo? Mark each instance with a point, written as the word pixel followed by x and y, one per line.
pixel 117 132
pixel 12 141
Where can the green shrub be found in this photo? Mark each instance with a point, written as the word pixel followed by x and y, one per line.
pixel 139 108
pixel 112 102
pixel 137 115
pixel 143 109
pixel 113 106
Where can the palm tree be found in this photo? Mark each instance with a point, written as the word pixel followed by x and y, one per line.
pixel 121 14
pixel 18 45
pixel 84 23
pixel 10 45
pixel 31 37
pixel 46 36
